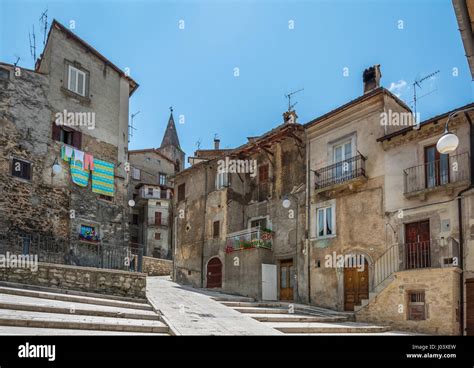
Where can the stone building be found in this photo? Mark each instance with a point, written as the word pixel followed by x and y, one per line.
pixel 55 121
pixel 239 217
pixel 384 235
pixel 150 188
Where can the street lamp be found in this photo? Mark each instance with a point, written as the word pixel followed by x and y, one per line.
pixel 449 142
pixel 56 167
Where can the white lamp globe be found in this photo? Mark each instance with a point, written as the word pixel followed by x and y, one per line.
pixel 57 168
pixel 131 203
pixel 286 203
pixel 447 143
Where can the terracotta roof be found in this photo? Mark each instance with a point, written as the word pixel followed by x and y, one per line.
pixel 155 150
pixel 434 119
pixel 56 25
pixel 357 100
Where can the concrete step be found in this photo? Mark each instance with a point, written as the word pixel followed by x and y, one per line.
pixel 26 303
pixel 253 304
pixel 9 317
pixel 32 331
pixel 315 327
pixel 75 298
pixel 17 285
pixel 233 299
pixel 261 310
pixel 295 318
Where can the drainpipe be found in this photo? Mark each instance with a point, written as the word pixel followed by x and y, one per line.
pixel 308 216
pixel 203 238
pixel 461 235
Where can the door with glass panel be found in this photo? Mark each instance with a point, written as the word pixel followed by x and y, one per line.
pixel 436 167
pixel 342 168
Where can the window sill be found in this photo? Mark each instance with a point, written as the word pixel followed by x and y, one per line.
pixel 324 237
pixel 82 99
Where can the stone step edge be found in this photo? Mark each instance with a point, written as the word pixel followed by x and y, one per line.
pixel 47 289
pixel 74 298
pixel 355 329
pixel 77 311
pixel 298 318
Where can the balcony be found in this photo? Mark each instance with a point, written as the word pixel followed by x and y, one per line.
pixel 347 174
pixel 254 237
pixel 153 193
pixel 447 174
pixel 156 221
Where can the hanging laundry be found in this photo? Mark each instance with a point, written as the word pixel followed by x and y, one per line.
pixel 78 175
pixel 66 152
pixel 79 156
pixel 88 162
pixel 103 178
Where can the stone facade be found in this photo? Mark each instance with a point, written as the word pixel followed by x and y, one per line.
pixel 93 280
pixel 157 267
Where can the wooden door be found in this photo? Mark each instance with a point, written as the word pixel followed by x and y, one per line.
pixel 417 245
pixel 214 273
pixel 470 307
pixel 287 280
pixel 356 286
pixel 157 218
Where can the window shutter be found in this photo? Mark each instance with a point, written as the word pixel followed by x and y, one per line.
pixel 56 132
pixel 77 139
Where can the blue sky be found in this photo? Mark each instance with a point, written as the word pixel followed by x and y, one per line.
pixel 193 68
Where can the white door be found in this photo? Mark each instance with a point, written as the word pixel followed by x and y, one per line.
pixel 269 282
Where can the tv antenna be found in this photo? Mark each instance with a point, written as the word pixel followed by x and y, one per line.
pixel 288 96
pixel 32 38
pixel 17 60
pixel 44 21
pixel 198 143
pixel 417 83
pixel 131 128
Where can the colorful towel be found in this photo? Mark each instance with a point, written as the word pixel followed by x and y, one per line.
pixel 66 152
pixel 78 175
pixel 103 178
pixel 88 162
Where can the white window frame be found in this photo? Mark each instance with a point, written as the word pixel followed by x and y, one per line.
pixel 222 180
pixel 332 206
pixel 75 88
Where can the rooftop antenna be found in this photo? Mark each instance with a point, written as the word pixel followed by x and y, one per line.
pixel 417 83
pixel 198 143
pixel 32 38
pixel 288 96
pixel 131 128
pixel 44 21
pixel 17 60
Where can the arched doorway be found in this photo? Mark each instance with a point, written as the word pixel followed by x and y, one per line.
pixel 214 273
pixel 356 281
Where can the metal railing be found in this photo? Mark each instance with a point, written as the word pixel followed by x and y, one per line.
pixel 51 249
pixel 254 237
pixel 154 221
pixel 436 173
pixel 340 172
pixel 433 253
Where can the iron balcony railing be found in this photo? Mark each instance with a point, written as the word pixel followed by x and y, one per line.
pixel 432 253
pixel 255 237
pixel 156 221
pixel 340 172
pixel 437 173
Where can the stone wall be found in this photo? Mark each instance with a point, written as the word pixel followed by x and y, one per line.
pixel 441 287
pixel 93 280
pixel 157 266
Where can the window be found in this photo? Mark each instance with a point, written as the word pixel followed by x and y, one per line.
pixel 341 153
pixel 181 192
pixel 162 179
pixel 135 173
pixel 436 167
pixel 416 305
pixel 263 174
pixel 262 223
pixel 222 180
pixel 216 229
pixel 21 169
pixel 105 198
pixel 325 222
pixel 134 219
pixel 157 218
pixel 76 80
pixel 157 236
pixel 67 136
pixel 150 191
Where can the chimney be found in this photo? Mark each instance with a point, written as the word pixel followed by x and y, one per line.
pixel 289 117
pixel 216 143
pixel 371 78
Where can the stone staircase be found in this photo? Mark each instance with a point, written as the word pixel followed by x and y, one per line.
pixel 38 311
pixel 301 319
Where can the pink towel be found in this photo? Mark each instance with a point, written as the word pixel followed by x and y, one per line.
pixel 88 162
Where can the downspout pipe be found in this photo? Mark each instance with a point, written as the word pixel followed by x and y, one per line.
pixel 203 238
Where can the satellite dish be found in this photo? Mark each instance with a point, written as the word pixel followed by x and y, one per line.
pixel 131 203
